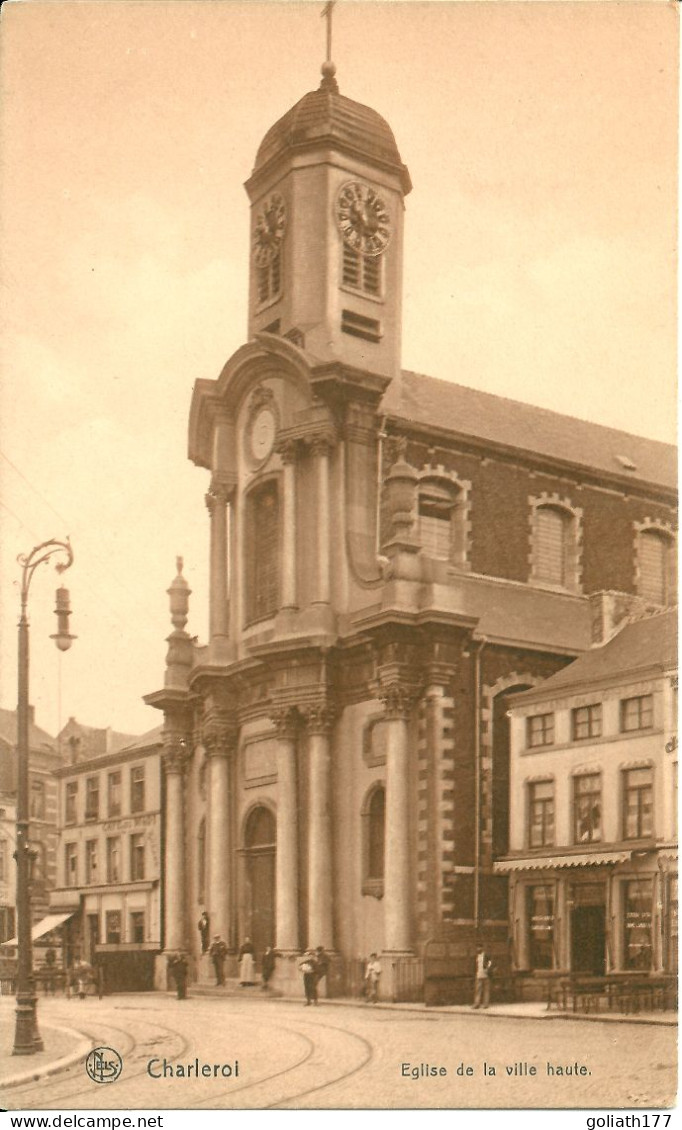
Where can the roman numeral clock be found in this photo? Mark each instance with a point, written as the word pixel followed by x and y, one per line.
pixel 363 218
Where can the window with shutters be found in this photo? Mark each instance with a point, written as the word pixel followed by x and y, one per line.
pixel 656 566
pixel 555 544
pixel 269 280
pixel 261 565
pixel 362 272
pixel 550 545
pixel 443 518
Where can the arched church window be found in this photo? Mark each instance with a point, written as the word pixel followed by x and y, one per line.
pixel 374 835
pixel 437 510
pixel 261 563
pixel 656 566
pixel 260 828
pixel 260 852
pixel 551 538
pixel 555 543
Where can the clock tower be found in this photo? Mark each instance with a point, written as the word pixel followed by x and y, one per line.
pixel 327 200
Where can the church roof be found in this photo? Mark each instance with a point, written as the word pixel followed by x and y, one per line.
pixel 326 117
pixel 495 419
pixel 639 645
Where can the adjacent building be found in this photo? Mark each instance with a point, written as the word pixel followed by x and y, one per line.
pixel 44 760
pixel 392 558
pixel 592 857
pixel 109 862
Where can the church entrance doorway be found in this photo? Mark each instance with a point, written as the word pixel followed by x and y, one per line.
pixel 260 847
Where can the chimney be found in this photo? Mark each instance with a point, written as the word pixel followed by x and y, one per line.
pixel 610 612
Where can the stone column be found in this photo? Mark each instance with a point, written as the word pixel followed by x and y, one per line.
pixel 320 862
pixel 287 885
pixel 216 501
pixel 321 450
pixel 219 742
pixel 173 760
pixel 288 454
pixel 398 702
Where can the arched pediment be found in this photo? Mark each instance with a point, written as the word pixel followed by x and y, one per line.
pixel 267 356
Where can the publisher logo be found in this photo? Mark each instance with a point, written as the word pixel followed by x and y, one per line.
pixel 104 1065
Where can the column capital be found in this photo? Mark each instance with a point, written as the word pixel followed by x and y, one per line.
pixel 219 492
pixel 322 444
pixel 398 698
pixel 319 717
pixel 176 752
pixel 287 449
pixel 286 720
pixel 218 736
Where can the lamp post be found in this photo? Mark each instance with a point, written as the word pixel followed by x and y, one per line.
pixel 26 1036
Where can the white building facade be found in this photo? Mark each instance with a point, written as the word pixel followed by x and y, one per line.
pixel 593 834
pixel 109 862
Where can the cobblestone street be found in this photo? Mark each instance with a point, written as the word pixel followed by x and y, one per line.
pixel 279 1054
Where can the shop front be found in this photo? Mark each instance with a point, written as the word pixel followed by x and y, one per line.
pixel 578 919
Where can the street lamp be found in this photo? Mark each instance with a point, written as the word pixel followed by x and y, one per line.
pixel 26 1036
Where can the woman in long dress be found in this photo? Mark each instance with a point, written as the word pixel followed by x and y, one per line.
pixel 247 965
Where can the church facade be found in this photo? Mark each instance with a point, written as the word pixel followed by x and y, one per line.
pixel 391 558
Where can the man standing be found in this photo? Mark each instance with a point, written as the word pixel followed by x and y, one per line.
pixel 217 954
pixel 267 966
pixel 321 967
pixel 177 967
pixel 307 967
pixel 203 928
pixel 482 990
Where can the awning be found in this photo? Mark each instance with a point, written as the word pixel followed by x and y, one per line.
pixel 550 863
pixel 50 922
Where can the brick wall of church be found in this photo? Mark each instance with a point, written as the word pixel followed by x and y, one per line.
pixel 500 511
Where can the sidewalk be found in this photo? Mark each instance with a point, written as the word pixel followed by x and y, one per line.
pixel 63 1047
pixel 528 1010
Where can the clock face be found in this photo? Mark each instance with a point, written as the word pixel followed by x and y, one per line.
pixel 363 218
pixel 269 230
pixel 262 434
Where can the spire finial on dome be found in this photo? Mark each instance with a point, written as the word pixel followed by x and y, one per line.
pixel 329 68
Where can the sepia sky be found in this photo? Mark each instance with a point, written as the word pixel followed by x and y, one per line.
pixel 540 260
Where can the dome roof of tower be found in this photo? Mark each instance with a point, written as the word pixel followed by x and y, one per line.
pixel 324 117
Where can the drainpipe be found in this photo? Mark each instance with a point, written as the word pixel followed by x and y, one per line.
pixel 481 641
pixel 380 459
